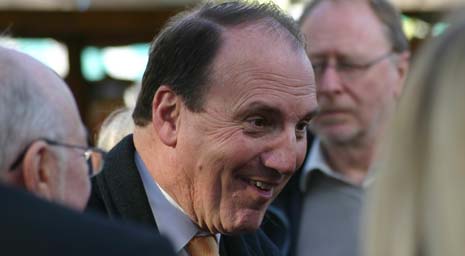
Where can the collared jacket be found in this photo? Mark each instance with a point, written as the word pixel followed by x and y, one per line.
pixel 118 192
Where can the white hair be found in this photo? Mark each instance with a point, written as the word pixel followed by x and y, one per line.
pixel 27 112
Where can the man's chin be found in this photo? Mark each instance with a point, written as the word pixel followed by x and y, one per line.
pixel 245 223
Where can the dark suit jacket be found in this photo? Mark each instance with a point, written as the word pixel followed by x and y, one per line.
pixel 282 220
pixel 31 226
pixel 119 193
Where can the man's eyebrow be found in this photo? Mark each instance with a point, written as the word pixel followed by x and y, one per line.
pixel 310 115
pixel 258 106
pixel 262 107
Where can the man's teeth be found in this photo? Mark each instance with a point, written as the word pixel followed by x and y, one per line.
pixel 260 185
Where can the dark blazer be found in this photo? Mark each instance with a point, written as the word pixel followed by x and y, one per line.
pixel 119 193
pixel 282 219
pixel 31 226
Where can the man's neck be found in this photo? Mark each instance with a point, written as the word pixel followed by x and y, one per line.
pixel 150 155
pixel 178 189
pixel 353 160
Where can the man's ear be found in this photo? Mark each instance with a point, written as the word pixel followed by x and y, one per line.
pixel 38 170
pixel 403 63
pixel 166 106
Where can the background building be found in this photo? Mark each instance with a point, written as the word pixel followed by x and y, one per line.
pixel 101 46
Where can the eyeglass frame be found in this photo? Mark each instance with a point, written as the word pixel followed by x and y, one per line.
pixel 351 67
pixel 87 155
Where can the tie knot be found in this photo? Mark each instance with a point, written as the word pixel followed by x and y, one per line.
pixel 203 246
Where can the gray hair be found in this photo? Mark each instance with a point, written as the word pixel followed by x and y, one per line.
pixel 388 15
pixel 27 112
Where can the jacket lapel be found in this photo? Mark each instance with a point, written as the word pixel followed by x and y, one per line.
pixel 234 245
pixel 124 185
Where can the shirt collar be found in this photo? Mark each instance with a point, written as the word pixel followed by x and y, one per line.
pixel 316 161
pixel 166 211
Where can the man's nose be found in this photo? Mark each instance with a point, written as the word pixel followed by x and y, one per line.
pixel 329 81
pixel 283 154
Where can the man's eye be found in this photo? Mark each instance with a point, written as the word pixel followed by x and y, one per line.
pixel 348 66
pixel 257 122
pixel 302 126
pixel 257 126
pixel 318 67
pixel 301 130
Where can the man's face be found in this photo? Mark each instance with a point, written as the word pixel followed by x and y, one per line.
pixel 72 186
pixel 239 152
pixel 75 183
pixel 53 172
pixel 353 106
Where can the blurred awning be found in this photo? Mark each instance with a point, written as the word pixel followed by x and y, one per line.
pixel 76 5
pixel 427 5
pixel 81 5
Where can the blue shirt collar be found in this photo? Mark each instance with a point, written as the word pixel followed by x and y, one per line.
pixel 171 220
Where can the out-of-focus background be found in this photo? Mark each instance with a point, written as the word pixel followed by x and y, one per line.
pixel 101 47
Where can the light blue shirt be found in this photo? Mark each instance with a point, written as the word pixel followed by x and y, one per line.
pixel 171 220
pixel 316 161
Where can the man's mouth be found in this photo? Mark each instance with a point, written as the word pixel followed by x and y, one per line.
pixel 259 189
pixel 261 185
pixel 332 114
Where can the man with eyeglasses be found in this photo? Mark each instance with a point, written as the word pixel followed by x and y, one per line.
pixel 49 156
pixel 44 152
pixel 360 55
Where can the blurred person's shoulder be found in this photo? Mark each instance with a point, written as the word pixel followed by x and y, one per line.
pixel 31 225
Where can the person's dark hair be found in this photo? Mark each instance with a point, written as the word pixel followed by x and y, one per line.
pixel 182 54
pixel 387 14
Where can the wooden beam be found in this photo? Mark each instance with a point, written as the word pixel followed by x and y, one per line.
pixel 79 29
pixel 90 27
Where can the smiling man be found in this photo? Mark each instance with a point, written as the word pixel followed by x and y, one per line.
pixel 221 125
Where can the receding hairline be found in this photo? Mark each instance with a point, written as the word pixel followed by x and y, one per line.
pixel 254 29
pixel 384 27
pixel 270 27
pixel 263 29
pixel 312 6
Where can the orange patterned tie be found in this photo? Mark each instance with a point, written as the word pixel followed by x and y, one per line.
pixel 203 246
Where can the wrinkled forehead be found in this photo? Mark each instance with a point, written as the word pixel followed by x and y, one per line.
pixel 253 64
pixel 253 44
pixel 344 26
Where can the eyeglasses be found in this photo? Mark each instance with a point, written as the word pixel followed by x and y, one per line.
pixel 93 156
pixel 347 71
